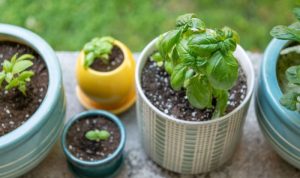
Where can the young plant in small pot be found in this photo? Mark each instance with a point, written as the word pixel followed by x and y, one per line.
pixel 93 143
pixel 105 75
pixel 31 98
pixel 278 93
pixel 194 87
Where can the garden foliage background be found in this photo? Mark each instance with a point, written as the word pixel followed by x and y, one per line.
pixel 68 24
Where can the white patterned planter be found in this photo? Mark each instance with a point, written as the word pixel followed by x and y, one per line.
pixel 185 146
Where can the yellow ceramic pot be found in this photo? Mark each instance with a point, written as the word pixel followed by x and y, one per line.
pixel 113 91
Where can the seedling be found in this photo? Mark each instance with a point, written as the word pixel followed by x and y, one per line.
pixel 291 98
pixel 98 48
pixel 15 74
pixel 200 60
pixel 97 135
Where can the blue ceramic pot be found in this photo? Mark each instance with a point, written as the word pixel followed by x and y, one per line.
pixel 25 147
pixel 107 167
pixel 280 126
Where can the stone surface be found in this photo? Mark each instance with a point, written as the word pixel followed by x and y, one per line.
pixel 253 158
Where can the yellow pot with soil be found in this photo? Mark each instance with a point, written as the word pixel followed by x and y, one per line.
pixel 105 75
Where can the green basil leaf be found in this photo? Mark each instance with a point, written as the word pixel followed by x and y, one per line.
pixel 89 47
pixel 24 57
pixel 13 59
pixel 199 92
pixel 227 45
pixel 21 66
pixel 230 44
pixel 104 49
pixel 2 77
pixel 108 39
pixel 157 57
pixel 290 100
pixel 183 51
pixel 184 19
pixel 7 66
pixel 203 44
pixel 174 57
pixel 92 135
pixel 178 76
pixel 24 76
pixel 8 77
pixel 167 42
pixel 197 25
pixel 295 25
pixel 297 13
pixel 89 59
pixel 293 74
pixel 286 33
pixel 103 135
pixel 169 67
pixel 221 98
pixel 222 70
pixel 229 33
pixel 22 88
pixel 188 75
pixel 12 84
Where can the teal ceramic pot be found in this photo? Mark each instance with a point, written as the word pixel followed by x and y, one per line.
pixel 104 168
pixel 280 126
pixel 25 147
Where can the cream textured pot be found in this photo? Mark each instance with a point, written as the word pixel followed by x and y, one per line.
pixel 185 146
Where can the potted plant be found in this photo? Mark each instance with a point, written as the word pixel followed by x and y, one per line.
pixel 32 100
pixel 194 86
pixel 93 142
pixel 105 75
pixel 277 98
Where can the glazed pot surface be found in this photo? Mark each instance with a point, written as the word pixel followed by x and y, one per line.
pixel 23 148
pixel 280 126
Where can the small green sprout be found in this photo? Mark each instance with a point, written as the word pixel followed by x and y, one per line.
pixel 14 72
pixel 97 48
pixel 97 135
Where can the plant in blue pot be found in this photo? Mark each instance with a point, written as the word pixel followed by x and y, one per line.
pixel 278 93
pixel 93 143
pixel 32 100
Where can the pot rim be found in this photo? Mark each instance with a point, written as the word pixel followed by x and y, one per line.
pixel 35 122
pixel 269 77
pixel 85 114
pixel 246 63
pixel 125 52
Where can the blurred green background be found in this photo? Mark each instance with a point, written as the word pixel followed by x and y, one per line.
pixel 68 24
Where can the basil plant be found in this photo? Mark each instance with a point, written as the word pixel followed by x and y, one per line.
pixel 15 73
pixel 291 98
pixel 98 48
pixel 200 61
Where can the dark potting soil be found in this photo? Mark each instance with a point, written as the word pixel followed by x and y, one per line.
pixel 156 86
pixel 15 107
pixel 84 149
pixel 116 58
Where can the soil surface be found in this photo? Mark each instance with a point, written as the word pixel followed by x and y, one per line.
pixel 15 107
pixel 116 58
pixel 156 86
pixel 84 149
